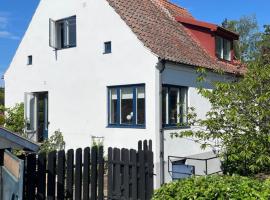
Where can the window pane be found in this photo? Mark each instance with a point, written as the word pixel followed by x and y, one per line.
pixel 173 98
pixel 219 47
pixel 113 106
pixel 30 114
pixel 71 31
pixel 164 105
pixel 183 106
pixel 126 105
pixel 140 105
pixel 227 50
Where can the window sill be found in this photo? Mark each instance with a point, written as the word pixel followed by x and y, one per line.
pixel 175 127
pixel 127 126
pixel 63 48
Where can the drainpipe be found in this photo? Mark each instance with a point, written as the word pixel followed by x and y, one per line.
pixel 161 68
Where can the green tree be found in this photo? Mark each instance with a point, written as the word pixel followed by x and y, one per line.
pixel 264 45
pixel 2 96
pixel 14 118
pixel 248 30
pixel 239 121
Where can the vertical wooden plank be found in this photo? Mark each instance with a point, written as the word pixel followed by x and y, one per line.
pixel 110 173
pixel 41 174
pixel 70 173
pixel 86 173
pixel 146 167
pixel 78 175
pixel 100 174
pixel 125 160
pixel 151 175
pixel 61 175
pixel 94 173
pixel 150 145
pixel 117 173
pixel 145 146
pixel 141 171
pixel 51 175
pixel 134 177
pixel 31 177
pixel 140 145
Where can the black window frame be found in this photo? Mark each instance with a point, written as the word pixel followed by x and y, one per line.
pixel 59 44
pixel 134 106
pixel 224 41
pixel 167 124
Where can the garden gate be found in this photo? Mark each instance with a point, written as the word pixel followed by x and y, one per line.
pixel 126 174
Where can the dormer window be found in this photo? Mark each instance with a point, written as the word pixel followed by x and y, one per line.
pixel 223 48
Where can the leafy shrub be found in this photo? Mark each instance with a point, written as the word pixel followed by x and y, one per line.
pixel 14 118
pixel 216 188
pixel 54 143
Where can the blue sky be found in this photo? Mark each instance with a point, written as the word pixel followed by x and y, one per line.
pixel 15 16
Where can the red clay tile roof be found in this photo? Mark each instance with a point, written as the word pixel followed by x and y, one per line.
pixel 153 22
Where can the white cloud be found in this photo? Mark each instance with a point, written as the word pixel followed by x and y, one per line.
pixel 8 35
pixel 4 21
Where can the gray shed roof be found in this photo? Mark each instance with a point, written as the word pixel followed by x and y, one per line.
pixel 10 140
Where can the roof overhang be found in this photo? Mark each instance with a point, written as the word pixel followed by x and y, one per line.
pixel 10 140
pixel 212 27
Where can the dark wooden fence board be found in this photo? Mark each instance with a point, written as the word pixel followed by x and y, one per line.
pixel 86 173
pixel 78 175
pixel 51 175
pixel 61 175
pixel 41 174
pixel 55 176
pixel 70 173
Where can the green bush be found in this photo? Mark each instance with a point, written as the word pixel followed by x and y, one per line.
pixel 216 188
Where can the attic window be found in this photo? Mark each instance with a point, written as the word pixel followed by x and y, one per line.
pixel 223 48
pixel 63 33
pixel 107 47
pixel 30 60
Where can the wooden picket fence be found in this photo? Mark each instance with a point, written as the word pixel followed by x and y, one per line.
pixel 127 174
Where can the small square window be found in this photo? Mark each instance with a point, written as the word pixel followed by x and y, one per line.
pixel 107 47
pixel 29 60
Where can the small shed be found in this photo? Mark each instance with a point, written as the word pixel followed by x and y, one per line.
pixel 10 140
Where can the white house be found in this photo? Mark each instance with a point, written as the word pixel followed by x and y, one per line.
pixel 123 70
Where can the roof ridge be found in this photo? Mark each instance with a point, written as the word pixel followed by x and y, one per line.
pixel 175 5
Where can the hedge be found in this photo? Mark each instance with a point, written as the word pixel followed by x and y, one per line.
pixel 215 187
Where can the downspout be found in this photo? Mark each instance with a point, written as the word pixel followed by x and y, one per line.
pixel 161 68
